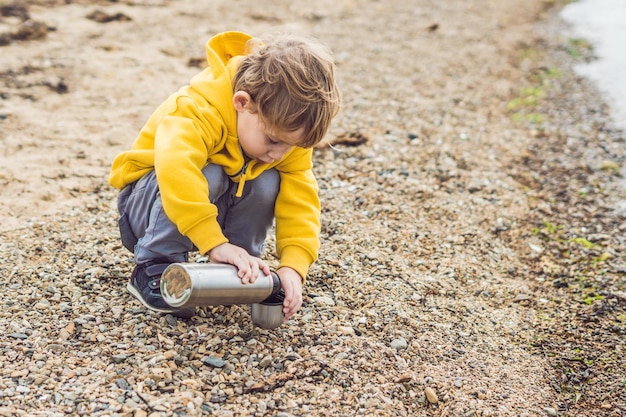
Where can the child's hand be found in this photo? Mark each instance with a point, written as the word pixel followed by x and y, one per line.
pixel 291 282
pixel 248 266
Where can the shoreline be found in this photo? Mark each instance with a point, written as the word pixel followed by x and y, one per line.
pixel 599 24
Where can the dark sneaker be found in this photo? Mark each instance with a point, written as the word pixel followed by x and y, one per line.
pixel 145 285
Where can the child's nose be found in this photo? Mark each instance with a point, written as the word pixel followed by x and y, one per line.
pixel 277 154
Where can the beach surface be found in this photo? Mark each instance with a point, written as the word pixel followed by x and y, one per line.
pixel 473 254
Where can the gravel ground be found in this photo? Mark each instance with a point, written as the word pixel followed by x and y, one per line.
pixel 474 212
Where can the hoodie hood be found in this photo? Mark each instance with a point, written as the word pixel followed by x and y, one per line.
pixel 224 52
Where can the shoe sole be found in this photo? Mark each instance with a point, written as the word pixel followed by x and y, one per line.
pixel 138 296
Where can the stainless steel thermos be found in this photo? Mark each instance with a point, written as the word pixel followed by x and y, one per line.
pixel 198 284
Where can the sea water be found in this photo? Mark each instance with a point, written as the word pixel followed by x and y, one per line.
pixel 603 24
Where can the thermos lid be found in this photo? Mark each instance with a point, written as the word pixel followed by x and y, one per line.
pixel 268 314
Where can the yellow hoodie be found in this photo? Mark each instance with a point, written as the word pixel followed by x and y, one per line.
pixel 198 125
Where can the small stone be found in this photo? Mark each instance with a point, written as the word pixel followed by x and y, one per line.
pixel 431 395
pixel 122 383
pixel 404 378
pixel 324 300
pixel 521 297
pixel 171 320
pixel 550 411
pixel 347 330
pixel 19 373
pixel 399 344
pixel 94 272
pixel 54 347
pixel 119 358
pixel 213 361
pixel 218 398
pixel 265 362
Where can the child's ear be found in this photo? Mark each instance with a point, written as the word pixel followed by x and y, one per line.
pixel 242 100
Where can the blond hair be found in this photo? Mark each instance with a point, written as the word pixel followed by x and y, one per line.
pixel 291 80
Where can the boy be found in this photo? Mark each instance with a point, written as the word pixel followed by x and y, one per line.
pixel 222 158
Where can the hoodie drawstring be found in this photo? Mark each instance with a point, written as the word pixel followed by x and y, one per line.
pixel 242 180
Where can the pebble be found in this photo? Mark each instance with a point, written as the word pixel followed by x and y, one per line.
pixel 550 411
pixel 404 378
pixel 119 358
pixel 324 300
pixel 265 362
pixel 213 361
pixel 521 297
pixel 347 330
pixel 431 395
pixel 399 344
pixel 122 383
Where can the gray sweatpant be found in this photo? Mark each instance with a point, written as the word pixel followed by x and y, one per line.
pixel 149 234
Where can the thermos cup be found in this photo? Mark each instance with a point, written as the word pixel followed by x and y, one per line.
pixel 197 284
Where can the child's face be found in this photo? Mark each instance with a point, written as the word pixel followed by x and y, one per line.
pixel 257 142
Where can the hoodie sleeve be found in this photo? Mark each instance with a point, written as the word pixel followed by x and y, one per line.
pixel 183 140
pixel 298 213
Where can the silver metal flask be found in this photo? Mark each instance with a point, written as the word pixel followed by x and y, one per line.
pixel 197 284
